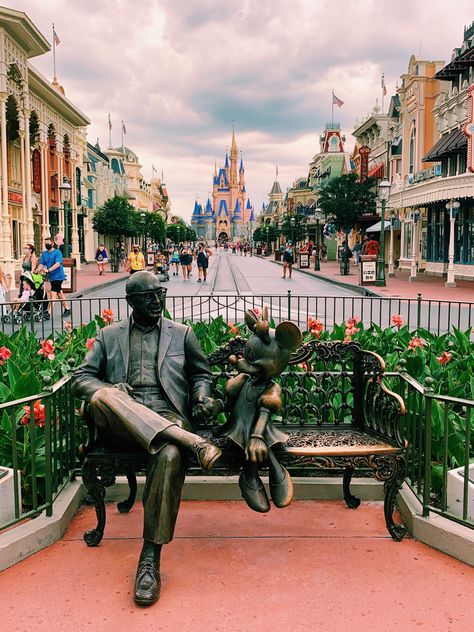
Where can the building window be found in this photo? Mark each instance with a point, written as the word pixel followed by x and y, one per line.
pixel 452 165
pixel 462 162
pixel 435 250
pixel 407 239
pixel 468 241
pixel 412 150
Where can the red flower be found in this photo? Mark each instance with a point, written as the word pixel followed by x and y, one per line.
pixel 397 320
pixel 315 326
pixel 347 339
pixel 5 353
pixel 107 316
pixel 352 322
pixel 304 366
pixel 444 358
pixel 47 349
pixel 39 414
pixel 414 343
pixel 90 343
pixel 233 329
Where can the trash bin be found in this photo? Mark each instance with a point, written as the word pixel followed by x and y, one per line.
pixel 303 259
pixel 368 269
pixel 70 282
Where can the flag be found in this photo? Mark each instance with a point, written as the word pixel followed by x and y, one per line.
pixel 124 130
pixel 110 123
pixel 336 101
pixel 56 39
pixel 384 89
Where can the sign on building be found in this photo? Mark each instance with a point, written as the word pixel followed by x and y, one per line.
pixel 469 129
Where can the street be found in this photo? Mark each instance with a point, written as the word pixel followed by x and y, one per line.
pixel 236 283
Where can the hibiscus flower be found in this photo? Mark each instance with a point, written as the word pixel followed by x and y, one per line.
pixel 444 358
pixel 315 326
pixel 107 316
pixel 5 353
pixel 415 342
pixel 397 320
pixel 47 349
pixel 39 414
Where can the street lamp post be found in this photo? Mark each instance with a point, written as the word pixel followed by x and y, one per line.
pixel 391 264
pixel 453 208
pixel 292 222
pixel 267 228
pixel 65 193
pixel 317 265
pixel 384 192
pixel 414 237
pixel 143 221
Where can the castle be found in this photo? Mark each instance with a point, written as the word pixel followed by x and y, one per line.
pixel 230 216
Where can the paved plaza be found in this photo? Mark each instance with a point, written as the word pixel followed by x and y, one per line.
pixel 315 565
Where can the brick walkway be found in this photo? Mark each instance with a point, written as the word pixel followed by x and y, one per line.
pixel 313 566
pixel 88 276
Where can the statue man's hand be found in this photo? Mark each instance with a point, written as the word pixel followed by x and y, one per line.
pixel 206 407
pixel 256 450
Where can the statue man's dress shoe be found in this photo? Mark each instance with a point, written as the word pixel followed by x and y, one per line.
pixel 254 494
pixel 147 583
pixel 207 454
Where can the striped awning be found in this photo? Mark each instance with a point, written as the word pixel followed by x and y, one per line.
pixel 450 143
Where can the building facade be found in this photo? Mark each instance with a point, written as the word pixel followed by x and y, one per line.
pixel 230 216
pixel 42 141
pixel 435 190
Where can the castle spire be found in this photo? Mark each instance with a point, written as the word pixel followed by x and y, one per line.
pixel 233 147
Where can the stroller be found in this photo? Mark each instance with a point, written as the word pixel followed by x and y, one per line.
pixel 32 308
pixel 161 269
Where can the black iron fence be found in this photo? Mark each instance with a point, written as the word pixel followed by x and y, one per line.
pixel 436 316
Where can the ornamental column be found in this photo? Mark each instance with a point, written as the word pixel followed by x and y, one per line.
pixel 21 133
pixel 30 232
pixel 75 253
pixel 46 229
pixel 6 233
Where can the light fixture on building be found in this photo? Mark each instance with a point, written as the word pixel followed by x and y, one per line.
pixel 452 207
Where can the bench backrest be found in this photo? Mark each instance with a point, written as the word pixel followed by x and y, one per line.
pixel 325 384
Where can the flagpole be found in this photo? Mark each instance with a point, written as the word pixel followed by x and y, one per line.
pixel 54 56
pixel 122 135
pixel 110 133
pixel 332 108
pixel 383 90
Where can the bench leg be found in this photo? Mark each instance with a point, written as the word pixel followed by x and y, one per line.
pixel 351 501
pixel 96 490
pixel 391 488
pixel 125 505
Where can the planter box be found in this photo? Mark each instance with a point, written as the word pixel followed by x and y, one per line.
pixel 456 491
pixel 7 495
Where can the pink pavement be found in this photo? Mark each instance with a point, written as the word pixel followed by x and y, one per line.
pixel 399 286
pixel 88 276
pixel 313 566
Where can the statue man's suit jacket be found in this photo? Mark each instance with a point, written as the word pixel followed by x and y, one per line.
pixel 182 369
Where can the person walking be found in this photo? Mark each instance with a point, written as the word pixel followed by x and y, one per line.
pixel 288 259
pixel 372 246
pixel 174 261
pixel 135 260
pixel 357 250
pixel 186 260
pixel 51 263
pixel 203 262
pixel 101 258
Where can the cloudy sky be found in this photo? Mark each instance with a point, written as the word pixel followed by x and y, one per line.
pixel 178 72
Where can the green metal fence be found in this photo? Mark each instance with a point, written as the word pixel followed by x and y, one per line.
pixel 38 442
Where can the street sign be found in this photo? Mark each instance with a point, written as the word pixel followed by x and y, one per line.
pixel 368 270
pixel 304 259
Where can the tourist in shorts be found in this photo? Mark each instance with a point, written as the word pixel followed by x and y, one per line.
pixel 51 263
pixel 202 262
pixel 288 260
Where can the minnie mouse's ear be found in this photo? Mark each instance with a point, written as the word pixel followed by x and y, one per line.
pixel 288 336
pixel 250 319
pixel 265 313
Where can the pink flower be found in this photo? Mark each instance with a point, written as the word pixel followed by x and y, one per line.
pixel 5 353
pixel 39 414
pixel 68 326
pixel 347 339
pixel 397 320
pixel 90 343
pixel 315 326
pixel 47 349
pixel 414 343
pixel 107 316
pixel 444 358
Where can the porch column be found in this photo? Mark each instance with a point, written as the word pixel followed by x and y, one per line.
pixel 46 229
pixel 75 252
pixel 452 207
pixel 413 247
pixel 23 237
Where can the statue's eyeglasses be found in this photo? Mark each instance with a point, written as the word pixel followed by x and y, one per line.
pixel 149 295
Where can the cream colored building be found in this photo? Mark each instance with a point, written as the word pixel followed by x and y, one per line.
pixel 42 140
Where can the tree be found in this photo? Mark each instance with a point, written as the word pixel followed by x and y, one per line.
pixel 153 226
pixel 260 233
pixel 180 231
pixel 345 199
pixel 115 218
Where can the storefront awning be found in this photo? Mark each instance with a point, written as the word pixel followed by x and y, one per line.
pixel 450 143
pixel 376 227
pixel 459 64
pixel 377 172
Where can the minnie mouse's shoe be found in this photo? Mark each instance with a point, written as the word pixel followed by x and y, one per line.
pixel 254 494
pixel 281 492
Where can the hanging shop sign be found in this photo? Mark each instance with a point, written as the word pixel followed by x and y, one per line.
pixel 364 152
pixel 14 197
pixel 36 171
pixel 469 129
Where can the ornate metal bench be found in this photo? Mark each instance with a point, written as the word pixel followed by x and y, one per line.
pixel 336 408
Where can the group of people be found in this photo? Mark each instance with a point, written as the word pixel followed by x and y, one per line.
pixel 369 246
pixel 41 279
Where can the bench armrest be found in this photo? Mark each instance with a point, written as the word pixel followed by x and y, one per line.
pixel 382 408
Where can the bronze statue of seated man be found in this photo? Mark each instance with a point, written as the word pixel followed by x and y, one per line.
pixel 146 378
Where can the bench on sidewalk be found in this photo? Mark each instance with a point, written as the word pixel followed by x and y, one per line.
pixel 337 410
